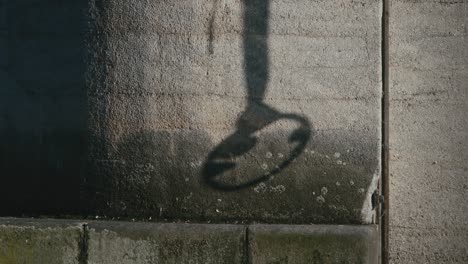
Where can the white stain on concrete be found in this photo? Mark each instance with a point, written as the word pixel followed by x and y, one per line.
pixel 324 190
pixel 278 189
pixel 260 188
pixel 320 199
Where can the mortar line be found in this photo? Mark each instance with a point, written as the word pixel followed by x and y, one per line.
pixel 385 181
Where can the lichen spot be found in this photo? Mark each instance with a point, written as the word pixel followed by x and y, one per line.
pixel 269 155
pixel 278 189
pixel 337 155
pixel 260 188
pixel 351 183
pixel 338 183
pixel 320 199
pixel 324 190
pixel 280 155
pixel 264 166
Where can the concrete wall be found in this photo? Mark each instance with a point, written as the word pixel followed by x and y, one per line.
pixel 235 110
pixel 203 110
pixel 428 131
pixel 141 109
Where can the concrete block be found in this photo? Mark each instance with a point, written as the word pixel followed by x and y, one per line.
pixel 126 243
pixel 40 241
pixel 313 244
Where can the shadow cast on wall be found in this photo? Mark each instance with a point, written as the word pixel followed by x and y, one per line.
pixel 257 115
pixel 43 108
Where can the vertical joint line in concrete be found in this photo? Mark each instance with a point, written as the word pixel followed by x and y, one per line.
pixel 83 245
pixel 385 181
pixel 247 254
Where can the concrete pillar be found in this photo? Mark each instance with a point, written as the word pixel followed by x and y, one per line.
pixel 428 131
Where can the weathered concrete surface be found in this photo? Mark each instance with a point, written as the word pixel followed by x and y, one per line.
pixel 31 241
pixel 202 110
pixel 313 244
pixel 39 241
pixel 234 110
pixel 428 131
pixel 132 243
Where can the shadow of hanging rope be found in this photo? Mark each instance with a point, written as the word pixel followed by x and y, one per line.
pixel 257 114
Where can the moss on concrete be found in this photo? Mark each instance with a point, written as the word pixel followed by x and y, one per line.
pixel 165 243
pixel 314 244
pixel 32 244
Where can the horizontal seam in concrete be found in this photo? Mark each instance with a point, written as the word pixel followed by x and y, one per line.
pixel 219 34
pixel 184 95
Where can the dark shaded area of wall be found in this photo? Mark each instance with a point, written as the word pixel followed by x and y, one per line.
pixel 43 107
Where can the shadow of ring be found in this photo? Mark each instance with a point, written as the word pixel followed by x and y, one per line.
pixel 212 168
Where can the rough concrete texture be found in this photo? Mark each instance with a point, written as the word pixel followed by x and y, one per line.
pixel 39 241
pixel 313 244
pixel 234 110
pixel 132 243
pixel 204 110
pixel 428 131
